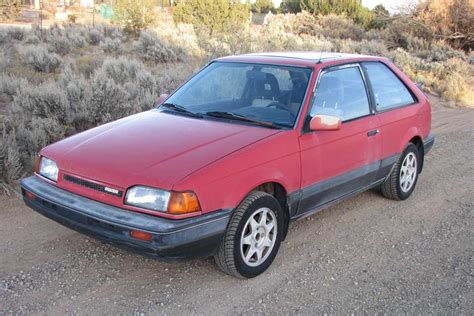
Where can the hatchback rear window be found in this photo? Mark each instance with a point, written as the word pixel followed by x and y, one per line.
pixel 389 91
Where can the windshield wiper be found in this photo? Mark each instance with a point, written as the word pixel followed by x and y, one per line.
pixel 182 109
pixel 234 116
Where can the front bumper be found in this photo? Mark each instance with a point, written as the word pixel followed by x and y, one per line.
pixel 172 239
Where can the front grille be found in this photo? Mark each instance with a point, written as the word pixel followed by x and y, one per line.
pixel 92 186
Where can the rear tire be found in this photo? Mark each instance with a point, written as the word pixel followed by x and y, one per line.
pixel 402 180
pixel 253 236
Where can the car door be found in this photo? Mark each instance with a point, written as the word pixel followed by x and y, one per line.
pixel 339 162
pixel 395 106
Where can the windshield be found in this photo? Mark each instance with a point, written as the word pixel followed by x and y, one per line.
pixel 253 93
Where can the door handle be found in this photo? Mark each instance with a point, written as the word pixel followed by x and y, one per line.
pixel 372 133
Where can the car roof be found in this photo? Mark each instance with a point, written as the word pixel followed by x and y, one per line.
pixel 298 58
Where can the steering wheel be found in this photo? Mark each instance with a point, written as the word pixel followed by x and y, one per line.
pixel 278 105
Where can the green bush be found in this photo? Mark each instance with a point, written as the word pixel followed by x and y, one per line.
pixel 134 15
pixel 213 15
pixel 351 8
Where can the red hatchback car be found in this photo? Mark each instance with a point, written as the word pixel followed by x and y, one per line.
pixel 247 145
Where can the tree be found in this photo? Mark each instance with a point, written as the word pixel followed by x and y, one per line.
pixel 290 6
pixel 213 15
pixel 381 17
pixel 263 6
pixel 134 15
pixel 353 9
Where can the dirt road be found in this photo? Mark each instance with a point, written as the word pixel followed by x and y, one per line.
pixel 367 254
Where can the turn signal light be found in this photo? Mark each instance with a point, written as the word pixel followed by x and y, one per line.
pixel 183 203
pixel 137 234
pixel 30 195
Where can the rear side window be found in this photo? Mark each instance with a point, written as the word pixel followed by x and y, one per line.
pixel 341 92
pixel 389 91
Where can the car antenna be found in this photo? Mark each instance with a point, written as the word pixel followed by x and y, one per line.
pixel 320 55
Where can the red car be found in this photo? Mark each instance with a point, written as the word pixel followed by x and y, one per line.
pixel 247 145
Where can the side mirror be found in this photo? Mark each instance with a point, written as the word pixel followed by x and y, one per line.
pixel 322 122
pixel 162 98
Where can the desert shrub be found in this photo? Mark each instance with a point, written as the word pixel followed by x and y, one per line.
pixel 122 87
pixel 399 32
pixel 32 39
pixel 11 85
pixel 110 45
pixel 9 9
pixel 150 47
pixel 134 16
pixel 60 45
pixel 40 59
pixel 337 26
pixel 452 20
pixel 212 15
pixel 16 33
pixel 300 23
pixel 433 51
pixel 3 36
pixel 94 36
pixel 86 64
pixel 237 41
pixel 10 161
pixel 72 18
pixel 76 39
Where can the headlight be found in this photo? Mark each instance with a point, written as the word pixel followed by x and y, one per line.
pixel 48 169
pixel 175 203
pixel 153 199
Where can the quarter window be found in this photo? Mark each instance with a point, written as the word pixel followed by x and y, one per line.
pixel 389 91
pixel 341 92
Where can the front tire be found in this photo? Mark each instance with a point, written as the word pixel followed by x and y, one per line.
pixel 402 180
pixel 253 236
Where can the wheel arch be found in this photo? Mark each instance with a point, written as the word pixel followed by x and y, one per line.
pixel 413 135
pixel 418 142
pixel 280 193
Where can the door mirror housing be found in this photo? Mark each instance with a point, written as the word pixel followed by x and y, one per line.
pixel 162 98
pixel 322 122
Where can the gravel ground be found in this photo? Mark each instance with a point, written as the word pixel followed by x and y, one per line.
pixel 365 255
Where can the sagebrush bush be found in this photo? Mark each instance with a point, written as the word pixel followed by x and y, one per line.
pixel 40 59
pixel 11 85
pixel 337 26
pixel 16 33
pixel 111 45
pixel 94 36
pixel 60 45
pixel 10 161
pixel 3 36
pixel 150 47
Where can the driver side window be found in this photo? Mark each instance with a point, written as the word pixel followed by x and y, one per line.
pixel 341 92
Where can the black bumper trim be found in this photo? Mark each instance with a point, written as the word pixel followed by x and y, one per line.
pixel 428 143
pixel 172 239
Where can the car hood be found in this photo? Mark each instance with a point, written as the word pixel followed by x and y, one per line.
pixel 151 148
